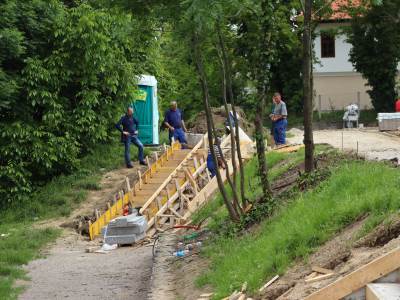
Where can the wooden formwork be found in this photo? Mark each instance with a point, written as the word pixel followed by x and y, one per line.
pixel 172 187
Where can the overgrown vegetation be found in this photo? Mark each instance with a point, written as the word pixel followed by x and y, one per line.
pixel 66 74
pixel 300 225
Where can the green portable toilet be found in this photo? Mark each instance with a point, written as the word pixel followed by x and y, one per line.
pixel 146 110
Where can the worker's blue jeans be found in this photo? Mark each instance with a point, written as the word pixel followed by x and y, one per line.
pixel 280 131
pixel 179 135
pixel 211 166
pixel 134 140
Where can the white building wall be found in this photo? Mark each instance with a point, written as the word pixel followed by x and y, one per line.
pixel 339 63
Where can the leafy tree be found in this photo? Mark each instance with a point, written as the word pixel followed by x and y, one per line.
pixel 375 37
pixel 65 76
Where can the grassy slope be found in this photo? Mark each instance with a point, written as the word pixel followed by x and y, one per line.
pixel 58 198
pixel 297 229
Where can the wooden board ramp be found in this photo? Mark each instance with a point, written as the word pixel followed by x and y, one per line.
pixel 174 186
pixel 379 279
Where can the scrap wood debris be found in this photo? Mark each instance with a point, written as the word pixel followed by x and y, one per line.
pixel 268 283
pixel 288 148
pixel 319 273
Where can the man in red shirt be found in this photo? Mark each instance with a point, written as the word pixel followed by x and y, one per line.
pixel 397 106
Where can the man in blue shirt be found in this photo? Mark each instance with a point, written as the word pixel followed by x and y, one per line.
pixel 128 126
pixel 174 122
pixel 279 119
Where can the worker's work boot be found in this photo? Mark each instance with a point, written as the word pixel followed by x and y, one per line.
pixel 143 163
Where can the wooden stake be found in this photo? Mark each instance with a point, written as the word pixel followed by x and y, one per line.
pixel 192 181
pixel 268 283
pixel 179 191
pixel 159 204
pixel 128 185
pixel 196 163
pixel 148 163
pixel 140 179
pixel 97 213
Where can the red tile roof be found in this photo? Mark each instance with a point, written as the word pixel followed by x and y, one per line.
pixel 340 9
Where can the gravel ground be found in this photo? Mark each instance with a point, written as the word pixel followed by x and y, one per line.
pixel 372 144
pixel 67 272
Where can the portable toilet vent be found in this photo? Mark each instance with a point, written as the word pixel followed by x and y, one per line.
pixel 146 110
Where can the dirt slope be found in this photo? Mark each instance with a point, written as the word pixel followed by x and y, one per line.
pixel 343 254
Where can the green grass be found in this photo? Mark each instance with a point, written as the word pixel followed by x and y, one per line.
pixel 55 199
pixel 20 244
pixel 300 226
pixel 64 193
pixel 215 210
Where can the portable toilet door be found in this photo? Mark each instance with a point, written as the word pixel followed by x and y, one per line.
pixel 146 110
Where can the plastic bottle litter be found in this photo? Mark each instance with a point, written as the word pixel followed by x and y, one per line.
pixel 181 253
pixel 191 236
pixel 181 246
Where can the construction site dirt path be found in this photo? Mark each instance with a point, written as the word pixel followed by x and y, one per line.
pixel 372 144
pixel 68 272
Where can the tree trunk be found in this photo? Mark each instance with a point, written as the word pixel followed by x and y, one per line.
pixel 233 148
pixel 307 89
pixel 200 68
pixel 227 64
pixel 260 142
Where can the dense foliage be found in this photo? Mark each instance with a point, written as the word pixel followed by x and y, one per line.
pixel 65 75
pixel 375 36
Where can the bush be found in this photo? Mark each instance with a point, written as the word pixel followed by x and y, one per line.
pixel 65 76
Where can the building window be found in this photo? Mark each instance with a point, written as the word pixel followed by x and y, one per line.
pixel 327 45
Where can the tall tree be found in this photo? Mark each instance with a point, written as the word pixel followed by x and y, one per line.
pixel 307 88
pixel 228 90
pixel 258 32
pixel 233 209
pixel 375 37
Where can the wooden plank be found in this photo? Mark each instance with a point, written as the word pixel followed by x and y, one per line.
pixel 289 149
pixel 321 270
pixel 140 178
pixel 321 277
pixel 312 275
pixel 268 283
pixel 359 278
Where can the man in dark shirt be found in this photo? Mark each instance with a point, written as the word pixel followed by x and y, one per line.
pixel 174 122
pixel 128 126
